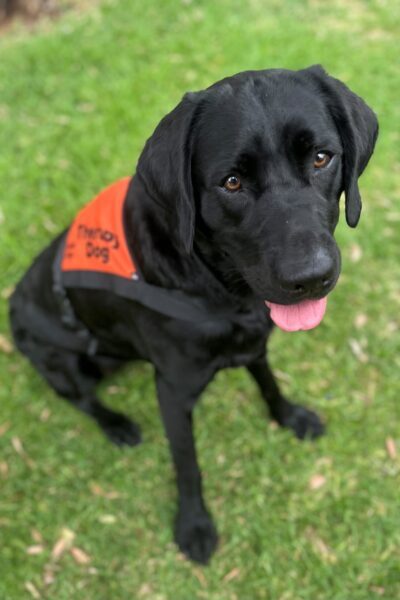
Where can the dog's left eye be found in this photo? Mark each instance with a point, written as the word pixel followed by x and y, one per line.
pixel 321 160
pixel 232 183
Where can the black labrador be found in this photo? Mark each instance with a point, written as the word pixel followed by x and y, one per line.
pixel 234 204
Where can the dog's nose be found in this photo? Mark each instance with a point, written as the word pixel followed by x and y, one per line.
pixel 316 276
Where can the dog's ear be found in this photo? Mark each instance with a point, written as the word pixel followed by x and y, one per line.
pixel 358 129
pixel 165 168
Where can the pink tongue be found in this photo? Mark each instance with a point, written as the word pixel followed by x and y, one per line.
pixel 305 315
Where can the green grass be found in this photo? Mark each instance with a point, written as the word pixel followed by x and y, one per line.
pixel 78 98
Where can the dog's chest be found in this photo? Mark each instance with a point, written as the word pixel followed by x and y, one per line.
pixel 237 341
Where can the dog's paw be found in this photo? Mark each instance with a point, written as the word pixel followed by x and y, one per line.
pixel 304 422
pixel 196 535
pixel 119 429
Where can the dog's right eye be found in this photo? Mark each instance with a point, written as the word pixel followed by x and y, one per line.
pixel 232 183
pixel 322 159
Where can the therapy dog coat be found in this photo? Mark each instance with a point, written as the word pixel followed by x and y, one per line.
pixel 94 254
pixel 96 241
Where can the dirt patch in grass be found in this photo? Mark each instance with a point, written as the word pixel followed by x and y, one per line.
pixel 28 11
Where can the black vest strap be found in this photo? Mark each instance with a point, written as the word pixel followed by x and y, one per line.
pixel 172 303
pixel 50 331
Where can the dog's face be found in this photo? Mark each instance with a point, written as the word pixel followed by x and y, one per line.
pixel 260 162
pixel 267 167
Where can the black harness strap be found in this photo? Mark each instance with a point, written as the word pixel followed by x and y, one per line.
pixel 50 331
pixel 85 341
pixel 172 303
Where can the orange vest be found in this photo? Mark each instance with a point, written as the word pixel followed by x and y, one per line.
pixel 96 239
pixel 94 254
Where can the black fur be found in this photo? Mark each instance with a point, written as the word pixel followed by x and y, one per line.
pixel 272 240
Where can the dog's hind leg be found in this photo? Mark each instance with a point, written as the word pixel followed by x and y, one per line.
pixel 75 377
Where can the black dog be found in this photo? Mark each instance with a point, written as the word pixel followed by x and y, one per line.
pixel 233 204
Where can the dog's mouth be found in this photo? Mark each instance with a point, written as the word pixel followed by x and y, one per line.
pixel 304 315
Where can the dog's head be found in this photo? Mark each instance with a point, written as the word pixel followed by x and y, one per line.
pixel 252 170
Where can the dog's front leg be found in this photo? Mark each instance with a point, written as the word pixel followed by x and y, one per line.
pixel 195 532
pixel 304 422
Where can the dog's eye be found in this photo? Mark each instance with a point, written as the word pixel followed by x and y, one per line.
pixel 232 183
pixel 321 160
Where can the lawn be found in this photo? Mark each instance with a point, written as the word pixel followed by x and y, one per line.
pixel 84 520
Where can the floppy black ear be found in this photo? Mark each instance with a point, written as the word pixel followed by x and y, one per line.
pixel 358 128
pixel 165 168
